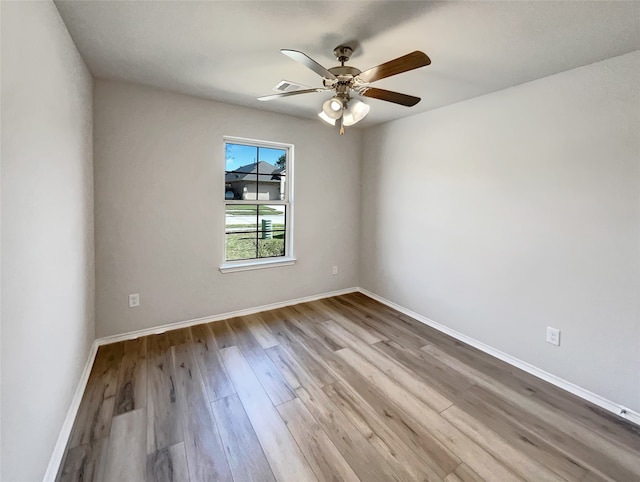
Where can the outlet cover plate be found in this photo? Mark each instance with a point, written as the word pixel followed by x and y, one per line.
pixel 553 336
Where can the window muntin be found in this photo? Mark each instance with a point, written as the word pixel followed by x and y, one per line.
pixel 257 203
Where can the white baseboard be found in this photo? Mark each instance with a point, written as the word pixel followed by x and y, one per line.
pixel 67 425
pixel 223 316
pixel 594 398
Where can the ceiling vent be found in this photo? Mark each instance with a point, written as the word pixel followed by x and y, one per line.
pixel 288 86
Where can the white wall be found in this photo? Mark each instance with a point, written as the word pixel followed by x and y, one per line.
pixel 159 169
pixel 47 232
pixel 515 211
pixel 497 217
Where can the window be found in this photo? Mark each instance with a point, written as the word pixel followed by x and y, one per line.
pixel 258 204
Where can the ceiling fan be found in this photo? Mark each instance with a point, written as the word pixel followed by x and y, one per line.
pixel 344 80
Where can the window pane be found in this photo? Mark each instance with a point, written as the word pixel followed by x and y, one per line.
pixel 241 183
pixel 240 246
pixel 241 171
pixel 271 218
pixel 272 174
pixel 241 222
pixel 275 157
pixel 237 155
pixel 241 217
pixel 268 248
pixel 271 231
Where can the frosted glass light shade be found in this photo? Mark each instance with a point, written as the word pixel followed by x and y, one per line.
pixel 332 108
pixel 326 118
pixel 355 113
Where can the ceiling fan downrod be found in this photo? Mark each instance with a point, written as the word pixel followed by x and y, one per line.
pixel 343 53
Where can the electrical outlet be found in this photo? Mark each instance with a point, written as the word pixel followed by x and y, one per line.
pixel 335 270
pixel 553 336
pixel 134 300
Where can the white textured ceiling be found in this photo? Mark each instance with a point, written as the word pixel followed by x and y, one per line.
pixel 230 51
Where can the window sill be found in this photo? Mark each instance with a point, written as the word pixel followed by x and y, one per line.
pixel 251 264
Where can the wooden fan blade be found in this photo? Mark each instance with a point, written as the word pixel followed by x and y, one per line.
pixel 308 62
pixel 287 94
pixel 389 96
pixel 405 63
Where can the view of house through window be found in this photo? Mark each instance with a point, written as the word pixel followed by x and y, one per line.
pixel 257 200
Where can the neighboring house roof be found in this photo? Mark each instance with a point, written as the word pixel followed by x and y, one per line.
pixel 268 173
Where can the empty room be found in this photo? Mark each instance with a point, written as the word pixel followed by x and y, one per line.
pixel 320 241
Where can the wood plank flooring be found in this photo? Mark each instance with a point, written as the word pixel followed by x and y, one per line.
pixel 343 388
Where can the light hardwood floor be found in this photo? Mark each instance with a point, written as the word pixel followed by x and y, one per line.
pixel 339 389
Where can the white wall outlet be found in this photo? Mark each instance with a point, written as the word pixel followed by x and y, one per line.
pixel 134 300
pixel 335 270
pixel 553 336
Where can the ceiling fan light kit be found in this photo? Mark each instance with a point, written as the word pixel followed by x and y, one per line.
pixel 344 80
pixel 334 109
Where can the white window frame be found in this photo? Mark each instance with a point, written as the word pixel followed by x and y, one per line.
pixel 259 263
